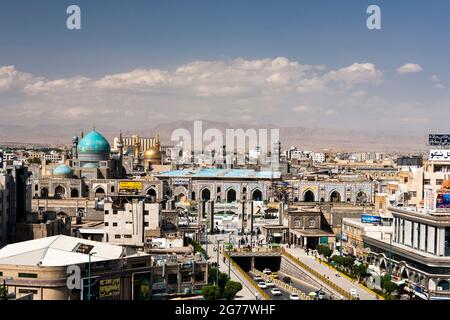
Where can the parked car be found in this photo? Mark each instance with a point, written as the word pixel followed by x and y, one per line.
pixel 294 296
pixel 258 279
pixel 270 283
pixel 262 285
pixel 321 295
pixel 354 294
pixel 275 292
pixel 267 271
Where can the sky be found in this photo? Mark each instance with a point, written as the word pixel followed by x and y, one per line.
pixel 286 63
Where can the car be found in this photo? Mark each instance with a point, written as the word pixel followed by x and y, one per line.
pixel 275 292
pixel 262 285
pixel 294 296
pixel 267 271
pixel 274 275
pixel 270 283
pixel 313 294
pixel 321 295
pixel 258 279
pixel 354 294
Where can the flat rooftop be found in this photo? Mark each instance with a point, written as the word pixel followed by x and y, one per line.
pixel 221 173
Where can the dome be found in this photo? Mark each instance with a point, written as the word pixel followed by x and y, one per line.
pixel 93 147
pixel 63 170
pixel 153 155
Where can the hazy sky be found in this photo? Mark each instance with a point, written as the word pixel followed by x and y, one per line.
pixel 287 63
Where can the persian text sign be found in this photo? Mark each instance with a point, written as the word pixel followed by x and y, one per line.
pixel 439 155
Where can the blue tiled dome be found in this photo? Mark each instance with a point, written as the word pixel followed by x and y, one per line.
pixel 63 170
pixel 93 147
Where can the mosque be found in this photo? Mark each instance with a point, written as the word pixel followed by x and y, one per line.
pixel 90 170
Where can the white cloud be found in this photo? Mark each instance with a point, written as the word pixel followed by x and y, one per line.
pixel 302 108
pixel 409 68
pixel 10 77
pixel 437 82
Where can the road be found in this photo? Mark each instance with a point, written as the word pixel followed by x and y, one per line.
pixel 341 281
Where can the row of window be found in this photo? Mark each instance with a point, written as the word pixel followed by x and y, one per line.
pixel 115 224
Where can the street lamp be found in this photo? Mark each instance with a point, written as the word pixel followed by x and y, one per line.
pixel 89 274
pixel 5 292
pixel 218 264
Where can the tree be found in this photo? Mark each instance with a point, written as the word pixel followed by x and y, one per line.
pixel 387 285
pixel 360 271
pixel 324 251
pixel 231 289
pixel 209 292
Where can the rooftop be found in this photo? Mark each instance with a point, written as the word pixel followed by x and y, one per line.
pixel 221 173
pixel 58 251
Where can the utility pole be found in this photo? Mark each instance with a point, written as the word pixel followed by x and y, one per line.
pixel 89 277
pixel 206 236
pixel 229 259
pixel 390 256
pixel 340 240
pixel 218 263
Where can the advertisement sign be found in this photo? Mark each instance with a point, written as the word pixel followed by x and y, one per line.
pixel 1 160
pixel 439 155
pixel 95 289
pixel 141 285
pixel 366 218
pixel 110 289
pixel 129 186
pixel 443 201
pixel 344 236
pixel 439 139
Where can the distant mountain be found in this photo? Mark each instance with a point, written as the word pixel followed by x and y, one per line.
pixel 315 139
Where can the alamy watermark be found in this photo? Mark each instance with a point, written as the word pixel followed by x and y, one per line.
pixel 234 146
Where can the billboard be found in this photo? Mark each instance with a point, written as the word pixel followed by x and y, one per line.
pixel 141 285
pixel 439 139
pixel 367 218
pixel 439 155
pixel 95 289
pixel 443 201
pixel 109 289
pixel 130 186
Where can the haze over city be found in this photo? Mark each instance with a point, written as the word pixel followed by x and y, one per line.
pixel 289 65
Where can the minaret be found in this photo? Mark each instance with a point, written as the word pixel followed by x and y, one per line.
pixel 74 147
pixel 120 147
pixel 137 149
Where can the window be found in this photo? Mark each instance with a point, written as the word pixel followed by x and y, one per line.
pixel 312 222
pixel 145 212
pixel 114 211
pixel 114 224
pixel 172 278
pixel 106 211
pixel 1 274
pixel 28 275
pixel 27 291
pixel 186 277
pixel 145 224
pixel 106 224
pixel 127 236
pixel 117 236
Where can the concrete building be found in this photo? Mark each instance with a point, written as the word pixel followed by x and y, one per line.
pixel 419 255
pixel 353 230
pixel 132 223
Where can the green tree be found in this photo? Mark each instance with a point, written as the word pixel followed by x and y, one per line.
pixel 324 251
pixel 231 289
pixel 209 292
pixel 360 271
pixel 388 286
